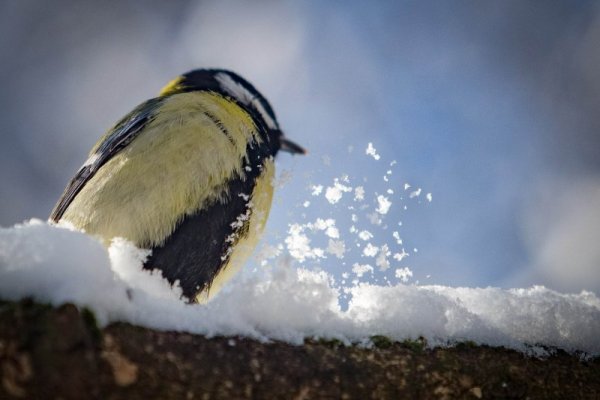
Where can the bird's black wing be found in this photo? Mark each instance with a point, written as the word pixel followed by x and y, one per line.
pixel 110 144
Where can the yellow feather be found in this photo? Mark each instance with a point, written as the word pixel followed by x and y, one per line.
pixel 178 164
pixel 171 87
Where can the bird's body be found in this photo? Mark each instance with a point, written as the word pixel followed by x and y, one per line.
pixel 188 175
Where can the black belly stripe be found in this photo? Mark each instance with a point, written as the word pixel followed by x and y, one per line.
pixel 220 125
pixel 196 251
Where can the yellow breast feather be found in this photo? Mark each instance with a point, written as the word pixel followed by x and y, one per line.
pixel 176 165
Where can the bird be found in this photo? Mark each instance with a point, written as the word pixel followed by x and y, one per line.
pixel 187 175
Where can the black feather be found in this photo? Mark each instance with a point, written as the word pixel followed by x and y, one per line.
pixel 197 249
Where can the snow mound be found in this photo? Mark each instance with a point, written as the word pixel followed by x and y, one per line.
pixel 57 265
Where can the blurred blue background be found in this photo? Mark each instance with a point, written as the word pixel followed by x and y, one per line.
pixel 493 107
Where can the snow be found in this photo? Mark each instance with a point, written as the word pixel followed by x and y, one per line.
pixel 365 235
pixel 57 265
pixel 336 247
pixel 361 269
pixel 382 258
pixel 383 204
pixel 371 151
pixel 334 193
pixel 359 193
pixel 316 189
pixel 415 193
pixel 298 244
pixel 370 250
pixel 403 274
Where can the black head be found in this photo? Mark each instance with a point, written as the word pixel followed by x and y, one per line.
pixel 242 92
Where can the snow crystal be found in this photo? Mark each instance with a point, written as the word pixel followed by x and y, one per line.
pixel 370 250
pixel 416 193
pixel 365 235
pixel 360 269
pixel 268 252
pixel 336 247
pixel 383 204
pixel 333 194
pixel 374 218
pixel 396 236
pixel 406 186
pixel 381 261
pixel 327 225
pixel 359 193
pixel 370 151
pixel 404 274
pixel 316 189
pixel 298 244
pixel 400 256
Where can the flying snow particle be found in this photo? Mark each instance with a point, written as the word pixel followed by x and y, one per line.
pixel 336 247
pixel 361 269
pixel 374 218
pixel 371 151
pixel 298 244
pixel 316 189
pixel 404 274
pixel 334 193
pixel 381 261
pixel 332 232
pixel 327 225
pixel 370 250
pixel 359 193
pixel 416 193
pixel 365 235
pixel 306 204
pixel 429 197
pixel 406 186
pixel 383 204
pixel 400 256
pixel 396 236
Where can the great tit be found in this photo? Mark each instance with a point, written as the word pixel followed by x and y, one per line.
pixel 188 175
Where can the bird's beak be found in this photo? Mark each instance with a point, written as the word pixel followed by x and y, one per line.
pixel 290 147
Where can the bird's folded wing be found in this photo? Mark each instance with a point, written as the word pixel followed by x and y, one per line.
pixel 115 140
